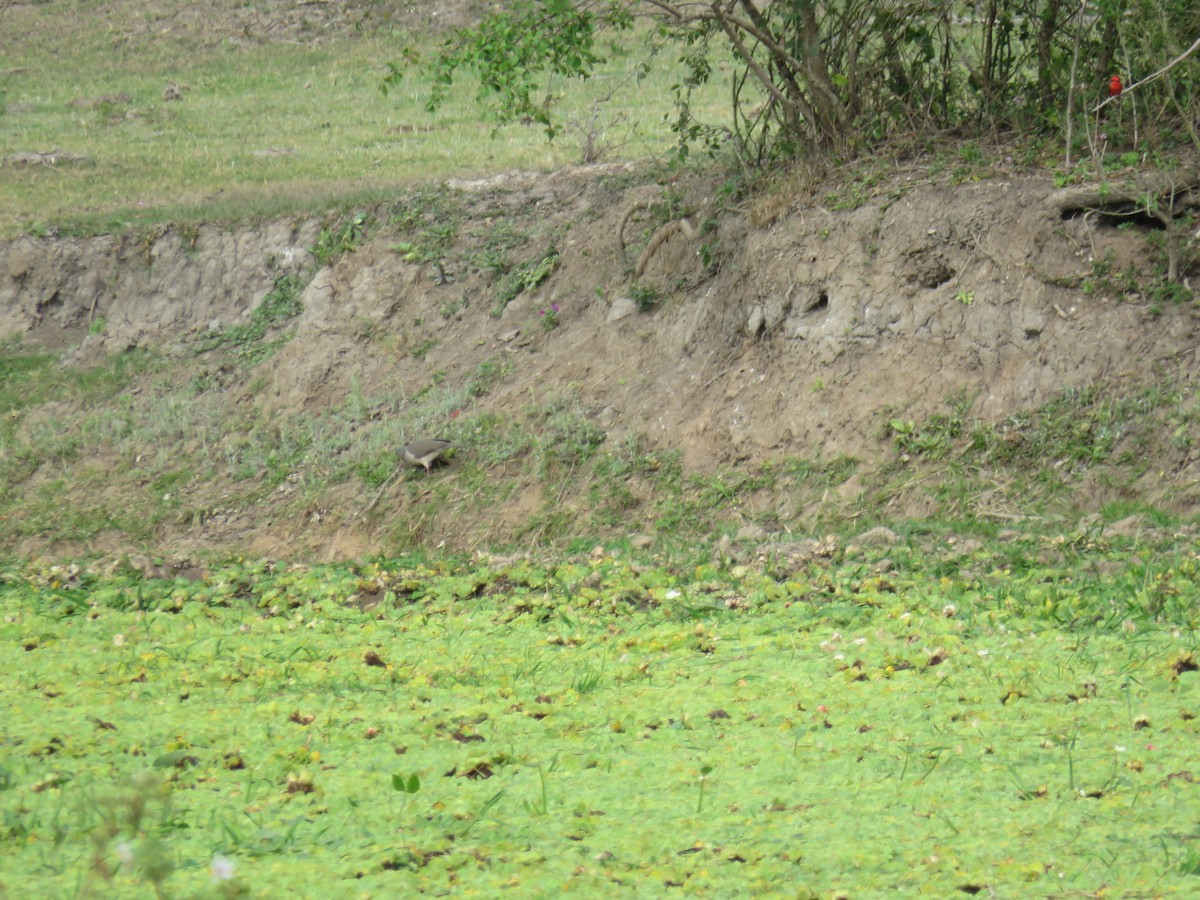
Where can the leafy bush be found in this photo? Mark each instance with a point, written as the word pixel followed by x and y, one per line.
pixel 525 277
pixel 843 76
pixel 342 237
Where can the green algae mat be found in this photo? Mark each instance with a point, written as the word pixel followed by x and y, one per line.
pixel 925 723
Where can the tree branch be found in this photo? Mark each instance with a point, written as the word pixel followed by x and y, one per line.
pixel 1163 71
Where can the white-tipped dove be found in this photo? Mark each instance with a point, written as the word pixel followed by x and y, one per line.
pixel 423 453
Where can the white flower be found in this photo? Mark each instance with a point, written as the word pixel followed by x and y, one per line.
pixel 125 852
pixel 118 640
pixel 221 868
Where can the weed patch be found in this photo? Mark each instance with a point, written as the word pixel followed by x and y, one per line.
pixel 551 723
pixel 1040 452
pixel 343 236
pixel 247 341
pixel 524 277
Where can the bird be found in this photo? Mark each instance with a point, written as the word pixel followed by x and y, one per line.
pixel 423 453
pixel 1115 86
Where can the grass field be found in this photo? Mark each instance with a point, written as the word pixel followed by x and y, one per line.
pixel 969 710
pixel 931 722
pixel 262 129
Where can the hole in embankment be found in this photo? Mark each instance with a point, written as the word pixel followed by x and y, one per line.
pixel 936 276
pixel 1116 214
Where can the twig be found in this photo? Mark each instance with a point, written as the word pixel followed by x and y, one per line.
pixel 370 506
pixel 1137 84
pixel 1091 237
pixel 1071 87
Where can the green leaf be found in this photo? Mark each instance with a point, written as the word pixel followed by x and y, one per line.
pixel 409 785
pixel 177 759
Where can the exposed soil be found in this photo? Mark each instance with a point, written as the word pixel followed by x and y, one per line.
pixel 799 338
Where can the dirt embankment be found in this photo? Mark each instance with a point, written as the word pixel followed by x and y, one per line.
pixel 803 337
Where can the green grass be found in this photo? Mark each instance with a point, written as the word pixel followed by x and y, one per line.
pixel 280 304
pixel 29 377
pixel 80 452
pixel 1033 461
pixel 970 710
pixel 263 129
pixel 933 727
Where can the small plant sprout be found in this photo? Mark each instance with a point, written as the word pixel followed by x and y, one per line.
pixel 966 298
pixel 549 317
pixel 705 771
pixel 645 296
pixel 540 806
pixel 407 786
pixel 483 811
